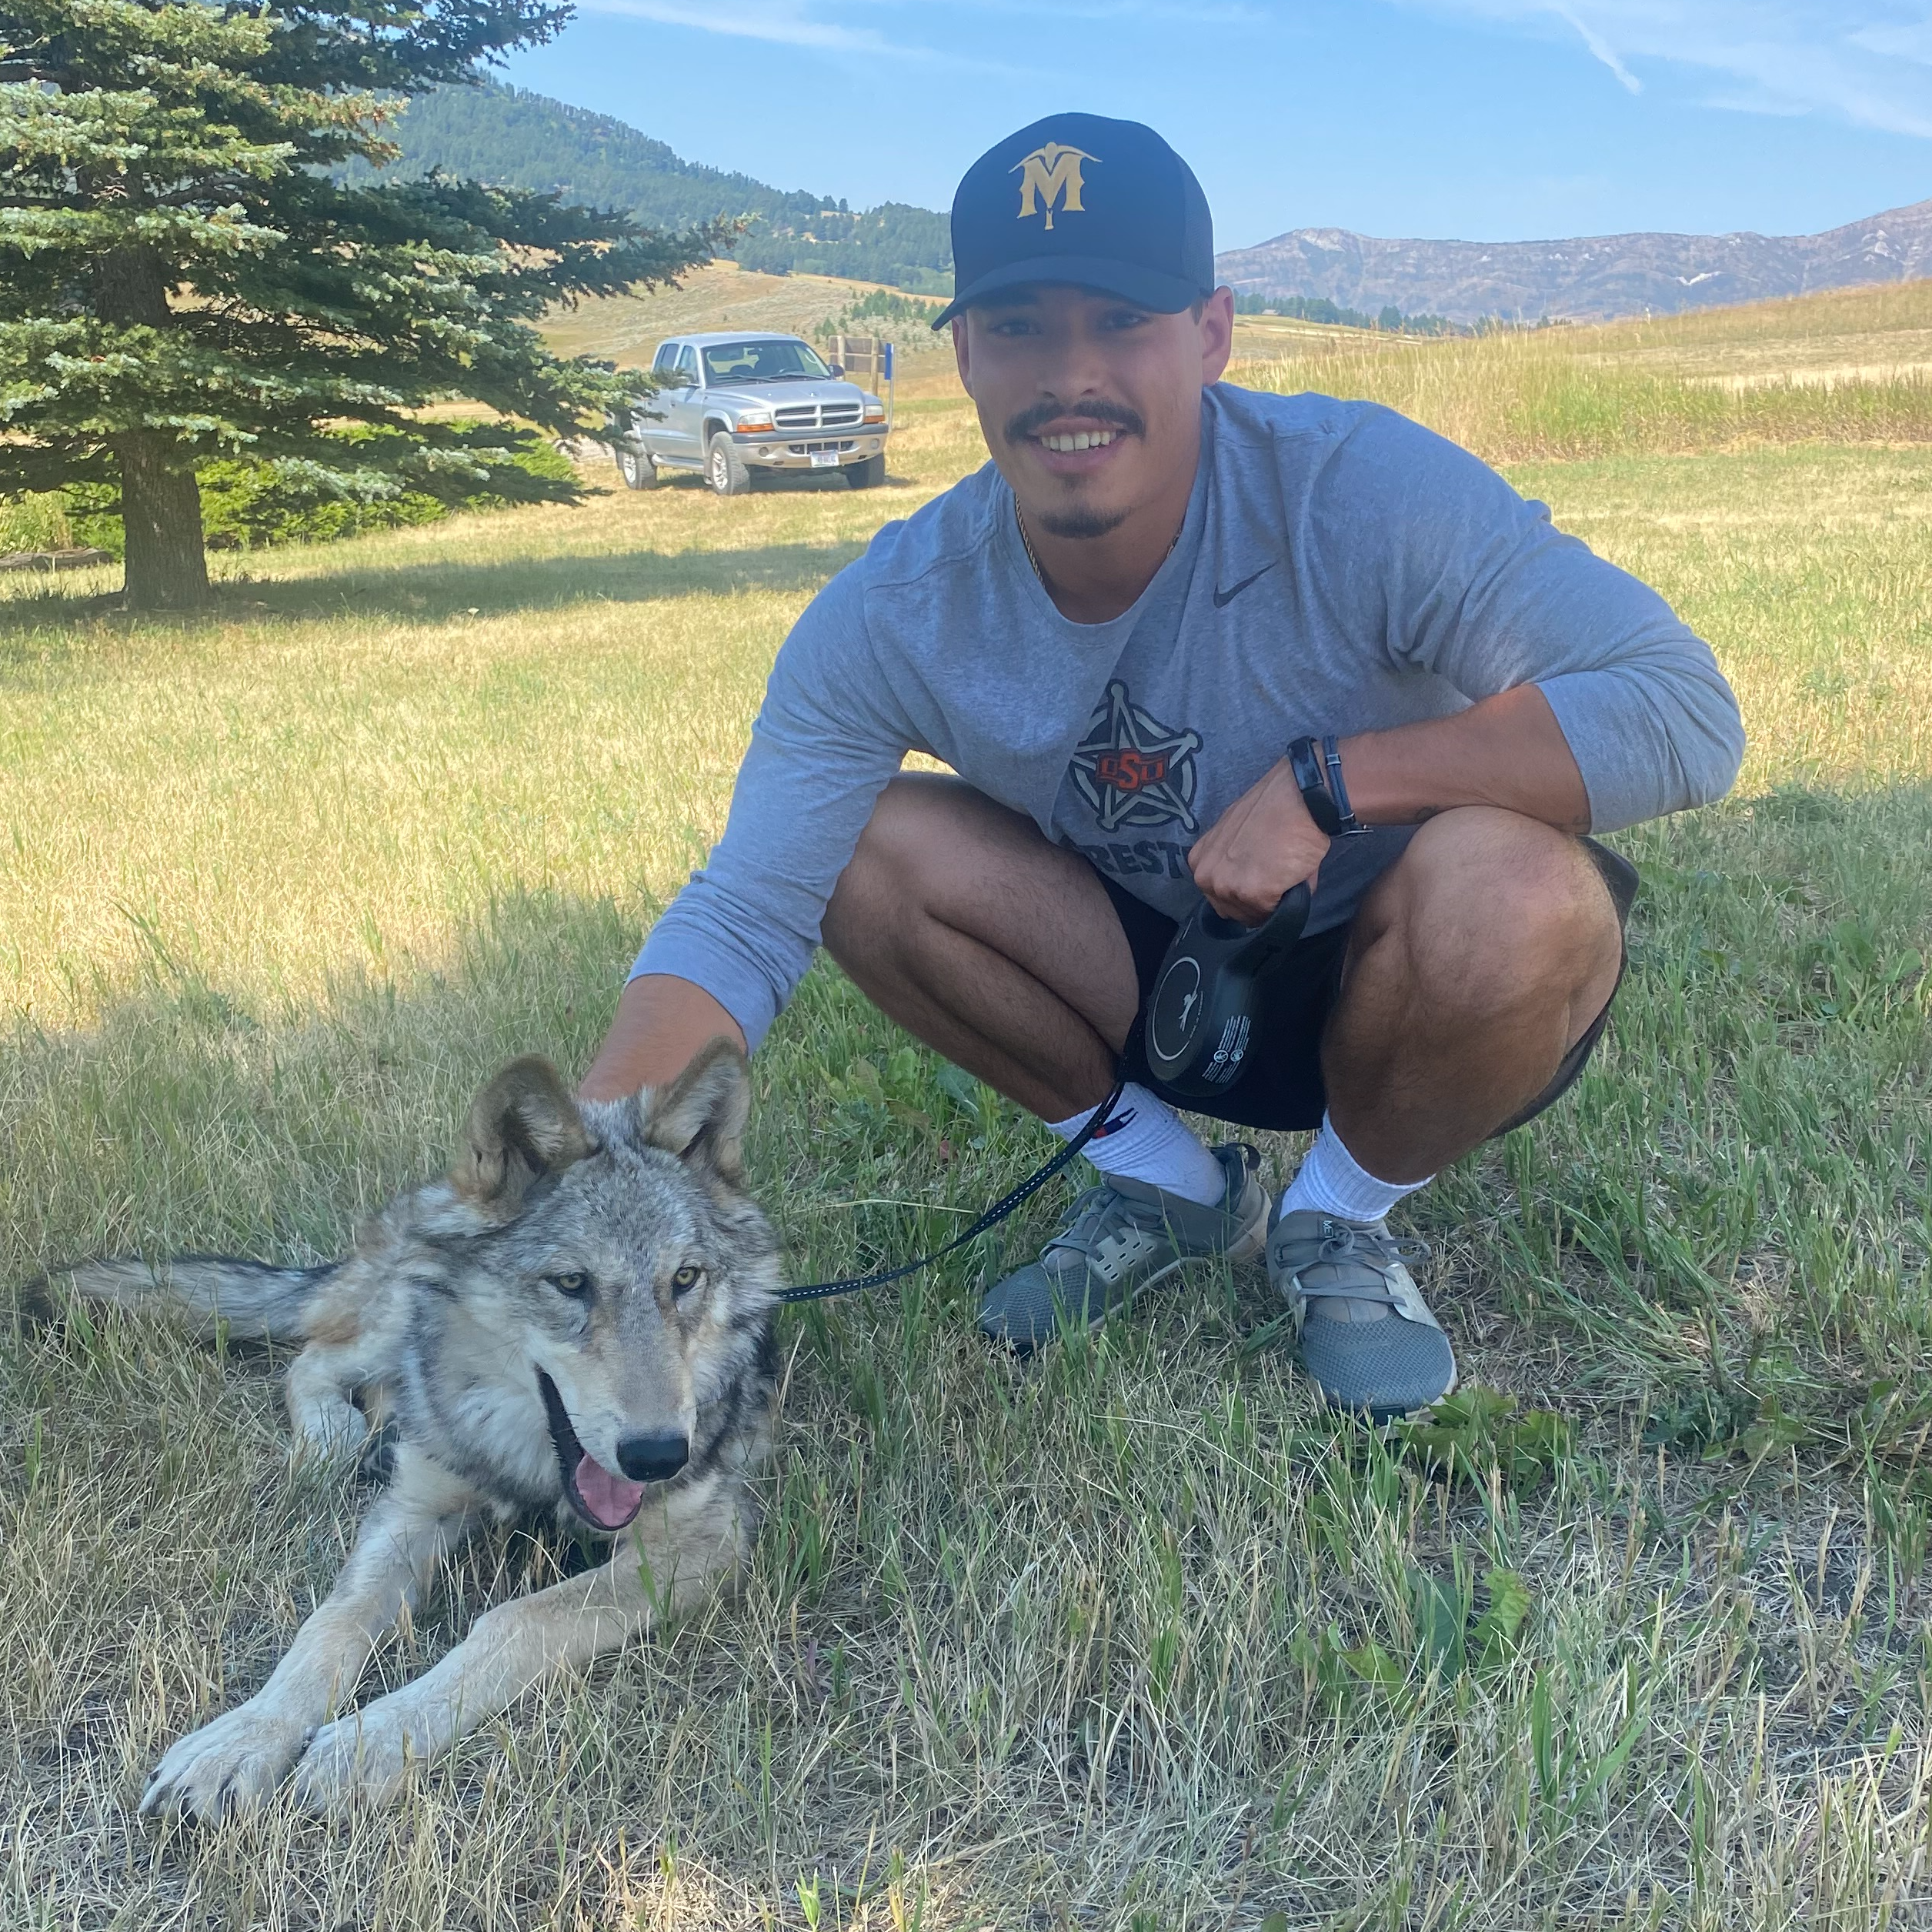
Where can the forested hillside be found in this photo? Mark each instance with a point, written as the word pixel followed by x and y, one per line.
pixel 518 139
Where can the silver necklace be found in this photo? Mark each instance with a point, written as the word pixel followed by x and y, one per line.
pixel 1026 543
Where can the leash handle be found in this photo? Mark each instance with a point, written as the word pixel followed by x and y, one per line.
pixel 1005 1206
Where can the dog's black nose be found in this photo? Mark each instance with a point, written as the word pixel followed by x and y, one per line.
pixel 655 1455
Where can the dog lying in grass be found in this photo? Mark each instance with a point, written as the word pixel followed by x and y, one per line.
pixel 577 1321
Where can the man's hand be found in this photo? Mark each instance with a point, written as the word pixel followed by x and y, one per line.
pixel 1264 843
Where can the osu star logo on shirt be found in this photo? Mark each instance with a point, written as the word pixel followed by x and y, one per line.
pixel 1132 769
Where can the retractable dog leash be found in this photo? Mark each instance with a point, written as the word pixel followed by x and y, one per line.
pixel 1199 1022
pixel 1005 1206
pixel 1200 1015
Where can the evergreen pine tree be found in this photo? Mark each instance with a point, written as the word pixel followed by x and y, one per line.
pixel 182 276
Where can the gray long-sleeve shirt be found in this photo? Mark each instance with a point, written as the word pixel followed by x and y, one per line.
pixel 1340 569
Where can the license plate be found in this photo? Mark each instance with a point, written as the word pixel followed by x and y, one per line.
pixel 825 459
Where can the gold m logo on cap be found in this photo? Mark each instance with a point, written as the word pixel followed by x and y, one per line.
pixel 1053 174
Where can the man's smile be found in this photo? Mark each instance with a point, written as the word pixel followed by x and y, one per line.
pixel 1076 446
pixel 1072 439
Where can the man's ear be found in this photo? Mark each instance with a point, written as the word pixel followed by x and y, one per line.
pixel 962 353
pixel 523 1126
pixel 701 1116
pixel 1216 325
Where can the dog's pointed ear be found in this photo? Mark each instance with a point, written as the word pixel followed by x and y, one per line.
pixel 701 1116
pixel 523 1126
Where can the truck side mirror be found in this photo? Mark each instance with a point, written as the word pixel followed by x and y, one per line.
pixel 837 369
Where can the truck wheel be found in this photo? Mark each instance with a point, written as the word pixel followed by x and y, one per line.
pixel 636 469
pixel 725 470
pixel 867 475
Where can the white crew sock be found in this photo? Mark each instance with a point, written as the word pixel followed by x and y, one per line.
pixel 1145 1140
pixel 1330 1180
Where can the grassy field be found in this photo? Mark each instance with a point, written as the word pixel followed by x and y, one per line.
pixel 1134 1638
pixel 1854 365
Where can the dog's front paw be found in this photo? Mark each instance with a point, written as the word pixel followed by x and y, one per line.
pixel 228 1767
pixel 363 1757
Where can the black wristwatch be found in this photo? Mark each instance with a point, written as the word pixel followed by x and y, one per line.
pixel 1318 774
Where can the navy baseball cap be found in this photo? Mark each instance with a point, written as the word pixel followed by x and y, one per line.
pixel 1079 199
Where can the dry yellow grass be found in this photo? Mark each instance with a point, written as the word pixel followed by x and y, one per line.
pixel 1135 1639
pixel 1890 325
pixel 1852 366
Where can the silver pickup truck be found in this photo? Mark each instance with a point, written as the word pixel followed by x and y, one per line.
pixel 737 405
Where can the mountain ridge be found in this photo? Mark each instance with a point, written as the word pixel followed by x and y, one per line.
pixel 519 139
pixel 1585 279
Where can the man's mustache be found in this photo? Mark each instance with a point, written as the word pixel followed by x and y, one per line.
pixel 1030 422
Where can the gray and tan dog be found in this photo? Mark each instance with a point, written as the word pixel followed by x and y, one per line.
pixel 578 1321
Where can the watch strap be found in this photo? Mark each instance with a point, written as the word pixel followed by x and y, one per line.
pixel 1346 820
pixel 1309 767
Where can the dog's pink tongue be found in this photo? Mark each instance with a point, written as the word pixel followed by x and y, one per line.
pixel 612 1499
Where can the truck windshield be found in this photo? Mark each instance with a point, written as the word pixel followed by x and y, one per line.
pixel 762 362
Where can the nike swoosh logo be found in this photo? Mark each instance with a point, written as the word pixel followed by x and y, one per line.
pixel 1222 598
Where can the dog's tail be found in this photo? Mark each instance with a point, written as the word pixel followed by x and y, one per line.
pixel 253 1301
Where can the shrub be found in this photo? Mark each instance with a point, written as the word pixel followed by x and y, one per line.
pixel 37 521
pixel 249 505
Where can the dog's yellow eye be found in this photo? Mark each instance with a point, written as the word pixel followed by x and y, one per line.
pixel 573 1284
pixel 684 1281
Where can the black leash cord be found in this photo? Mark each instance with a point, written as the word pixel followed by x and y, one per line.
pixel 1005 1205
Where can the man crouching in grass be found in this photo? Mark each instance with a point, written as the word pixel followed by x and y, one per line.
pixel 1184 640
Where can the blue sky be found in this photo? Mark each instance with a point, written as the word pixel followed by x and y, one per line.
pixel 1489 119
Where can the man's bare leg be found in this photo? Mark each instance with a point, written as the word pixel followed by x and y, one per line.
pixel 957 919
pixel 965 926
pixel 1476 962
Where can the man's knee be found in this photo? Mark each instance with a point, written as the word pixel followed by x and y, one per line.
pixel 1491 911
pixel 891 861
pixel 896 847
pixel 930 846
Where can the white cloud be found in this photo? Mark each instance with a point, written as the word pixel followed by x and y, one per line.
pixel 1913 42
pixel 1193 13
pixel 781 22
pixel 1773 56
pixel 789 23
pixel 1600 47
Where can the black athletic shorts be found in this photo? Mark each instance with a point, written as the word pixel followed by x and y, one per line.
pixel 1281 1090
